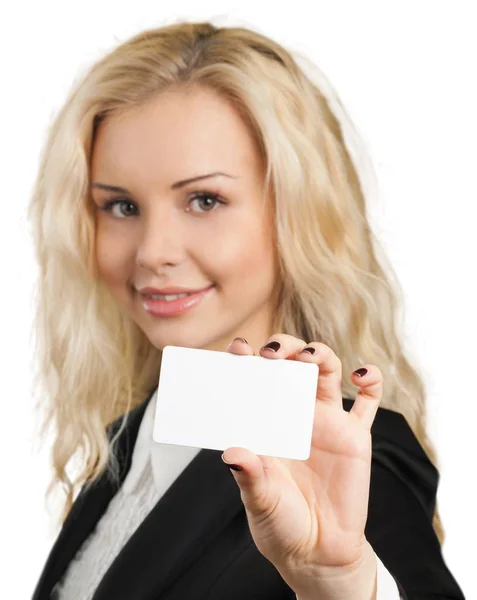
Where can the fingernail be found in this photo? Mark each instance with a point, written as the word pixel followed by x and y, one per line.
pixel 231 466
pixel 235 467
pixel 309 350
pixel 237 338
pixel 360 372
pixel 274 346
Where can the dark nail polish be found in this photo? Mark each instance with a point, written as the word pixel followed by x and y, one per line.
pixel 309 350
pixel 235 467
pixel 275 346
pixel 361 372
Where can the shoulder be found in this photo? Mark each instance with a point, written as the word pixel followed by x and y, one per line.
pixel 392 426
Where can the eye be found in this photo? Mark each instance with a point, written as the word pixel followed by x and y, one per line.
pixel 110 204
pixel 199 197
pixel 203 196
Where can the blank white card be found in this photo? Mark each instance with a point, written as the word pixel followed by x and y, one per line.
pixel 219 400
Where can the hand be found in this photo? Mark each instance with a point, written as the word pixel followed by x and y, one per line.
pixel 308 516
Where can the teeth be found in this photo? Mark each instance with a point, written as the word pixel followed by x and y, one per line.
pixel 167 298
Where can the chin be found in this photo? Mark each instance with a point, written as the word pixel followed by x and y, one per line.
pixel 182 338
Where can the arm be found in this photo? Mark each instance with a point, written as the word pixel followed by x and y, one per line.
pixel 403 490
pixel 401 506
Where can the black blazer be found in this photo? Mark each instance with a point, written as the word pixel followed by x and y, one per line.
pixel 196 544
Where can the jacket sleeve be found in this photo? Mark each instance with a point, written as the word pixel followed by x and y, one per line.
pixel 402 499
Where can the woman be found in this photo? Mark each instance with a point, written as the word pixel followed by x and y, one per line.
pixel 246 205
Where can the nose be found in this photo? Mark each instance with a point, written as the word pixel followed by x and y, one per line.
pixel 161 240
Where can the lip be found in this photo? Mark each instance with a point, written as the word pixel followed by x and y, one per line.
pixel 163 308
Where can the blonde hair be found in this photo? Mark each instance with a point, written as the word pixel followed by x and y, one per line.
pixel 95 364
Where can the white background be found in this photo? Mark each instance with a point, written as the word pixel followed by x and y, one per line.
pixel 405 71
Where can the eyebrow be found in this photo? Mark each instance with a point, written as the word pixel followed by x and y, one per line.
pixel 174 186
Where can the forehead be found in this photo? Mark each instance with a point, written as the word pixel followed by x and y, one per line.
pixel 175 134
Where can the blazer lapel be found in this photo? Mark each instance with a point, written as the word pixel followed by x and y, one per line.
pixel 198 505
pixel 194 509
pixel 88 507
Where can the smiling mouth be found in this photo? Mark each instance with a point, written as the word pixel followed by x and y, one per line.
pixel 174 304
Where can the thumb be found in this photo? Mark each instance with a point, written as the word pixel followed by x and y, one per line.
pixel 251 478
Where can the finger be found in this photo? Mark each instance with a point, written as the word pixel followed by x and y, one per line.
pixel 252 479
pixel 239 345
pixel 369 396
pixel 330 372
pixel 281 345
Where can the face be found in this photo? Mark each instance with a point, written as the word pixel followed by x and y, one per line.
pixel 214 232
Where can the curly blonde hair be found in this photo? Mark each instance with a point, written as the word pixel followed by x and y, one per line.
pixel 94 363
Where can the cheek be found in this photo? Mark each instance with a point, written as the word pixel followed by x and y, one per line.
pixel 110 258
pixel 244 256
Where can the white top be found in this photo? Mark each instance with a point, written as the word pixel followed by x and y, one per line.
pixel 154 468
